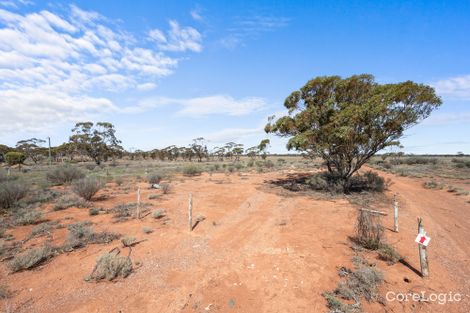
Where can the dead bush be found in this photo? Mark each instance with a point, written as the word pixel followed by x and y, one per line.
pixel 87 187
pixel 64 174
pixel 31 258
pixel 11 192
pixel 369 230
pixel 110 266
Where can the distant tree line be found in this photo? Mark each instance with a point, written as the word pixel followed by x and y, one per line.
pixel 98 142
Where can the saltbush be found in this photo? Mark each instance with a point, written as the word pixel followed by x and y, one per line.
pixel 64 174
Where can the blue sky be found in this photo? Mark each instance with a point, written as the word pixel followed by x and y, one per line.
pixel 165 72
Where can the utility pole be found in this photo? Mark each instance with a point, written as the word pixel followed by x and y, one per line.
pixel 50 155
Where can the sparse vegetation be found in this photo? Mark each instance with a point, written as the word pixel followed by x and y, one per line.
pixel 94 211
pixel 155 177
pixel 147 230
pixel 69 200
pixel 110 266
pixel 191 170
pixel 31 258
pixel 389 254
pixel 64 174
pixel 159 213
pixel 11 192
pixel 82 233
pixel 28 216
pixel 431 184
pixel 165 187
pixel 87 187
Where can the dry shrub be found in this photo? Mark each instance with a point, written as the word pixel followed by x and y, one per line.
pixel 128 241
pixel 155 177
pixel 432 184
pixel 64 174
pixel 28 216
pixel 4 292
pixel 191 170
pixel 87 187
pixel 69 200
pixel 11 192
pixel 110 266
pixel 165 187
pixel 388 254
pixel 31 258
pixel 369 230
pixel 82 233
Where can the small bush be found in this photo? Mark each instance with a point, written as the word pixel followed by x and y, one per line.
pixel 191 170
pixel 155 177
pixel 147 230
pixel 64 174
pixel 388 254
pixel 159 213
pixel 81 233
pixel 128 241
pixel 369 181
pixel 28 217
pixel 165 187
pixel 110 266
pixel 4 292
pixel 11 192
pixel 68 201
pixel 431 184
pixel 369 230
pixel 87 187
pixel 43 229
pixel 94 211
pixel 31 258
pixel 124 210
pixel 119 181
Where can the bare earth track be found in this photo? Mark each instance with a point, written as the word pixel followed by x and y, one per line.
pixel 260 249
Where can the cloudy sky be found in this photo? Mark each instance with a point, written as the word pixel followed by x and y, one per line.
pixel 165 72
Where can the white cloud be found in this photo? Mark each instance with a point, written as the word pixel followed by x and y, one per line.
pixel 196 15
pixel 439 118
pixel 147 86
pixel 202 106
pixel 250 27
pixel 52 66
pixel 234 134
pixel 454 88
pixel 220 104
pixel 177 39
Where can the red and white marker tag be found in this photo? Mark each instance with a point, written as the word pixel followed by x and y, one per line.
pixel 423 239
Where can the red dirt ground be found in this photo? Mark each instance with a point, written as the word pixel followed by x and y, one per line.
pixel 260 249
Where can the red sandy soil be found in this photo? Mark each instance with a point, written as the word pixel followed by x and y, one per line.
pixel 260 249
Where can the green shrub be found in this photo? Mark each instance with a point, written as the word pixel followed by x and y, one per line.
pixel 11 192
pixel 191 170
pixel 31 258
pixel 15 158
pixel 87 187
pixel 64 174
pixel 159 213
pixel 147 230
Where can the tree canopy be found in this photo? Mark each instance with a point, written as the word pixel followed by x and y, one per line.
pixel 346 121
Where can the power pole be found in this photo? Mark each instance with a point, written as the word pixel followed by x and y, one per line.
pixel 50 155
